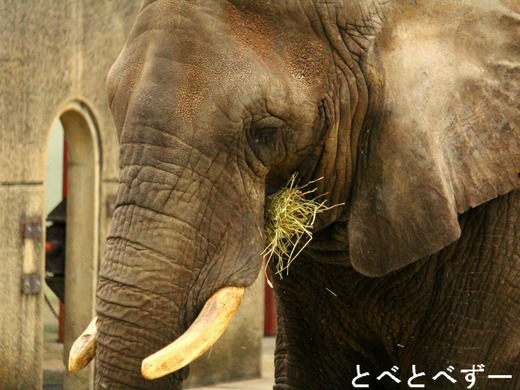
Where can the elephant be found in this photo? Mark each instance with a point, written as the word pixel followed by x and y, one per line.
pixel 407 111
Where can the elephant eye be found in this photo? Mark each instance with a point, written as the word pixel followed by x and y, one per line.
pixel 266 139
pixel 266 136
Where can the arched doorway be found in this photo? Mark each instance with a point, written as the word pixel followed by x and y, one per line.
pixel 81 186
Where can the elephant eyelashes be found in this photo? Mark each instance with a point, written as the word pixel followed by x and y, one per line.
pixel 266 137
pixel 267 144
pixel 266 140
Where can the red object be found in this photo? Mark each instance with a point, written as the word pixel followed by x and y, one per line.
pixel 61 330
pixel 51 247
pixel 270 310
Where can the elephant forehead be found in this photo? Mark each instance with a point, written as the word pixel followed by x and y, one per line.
pixel 249 28
pixel 204 75
pixel 280 38
pixel 225 54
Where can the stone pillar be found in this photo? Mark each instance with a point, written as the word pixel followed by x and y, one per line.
pixel 21 258
pixel 82 260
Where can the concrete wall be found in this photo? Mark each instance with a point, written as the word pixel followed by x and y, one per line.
pixel 55 54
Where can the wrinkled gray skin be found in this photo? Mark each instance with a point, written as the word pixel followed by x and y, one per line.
pixel 408 110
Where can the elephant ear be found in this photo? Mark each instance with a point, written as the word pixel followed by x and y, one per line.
pixel 448 132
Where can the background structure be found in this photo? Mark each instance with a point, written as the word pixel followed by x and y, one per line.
pixel 54 57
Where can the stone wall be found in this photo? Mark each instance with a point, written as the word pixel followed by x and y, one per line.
pixel 54 55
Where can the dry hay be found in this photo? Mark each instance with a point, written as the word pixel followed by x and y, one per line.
pixel 289 219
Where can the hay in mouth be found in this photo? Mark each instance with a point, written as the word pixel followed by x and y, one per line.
pixel 289 219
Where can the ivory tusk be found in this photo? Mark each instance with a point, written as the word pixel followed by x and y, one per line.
pixel 201 335
pixel 84 348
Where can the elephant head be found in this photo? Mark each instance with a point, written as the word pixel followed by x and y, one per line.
pixel 409 114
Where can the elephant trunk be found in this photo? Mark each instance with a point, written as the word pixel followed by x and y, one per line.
pixel 138 312
pixel 169 250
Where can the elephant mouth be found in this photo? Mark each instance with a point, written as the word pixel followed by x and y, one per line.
pixel 207 328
